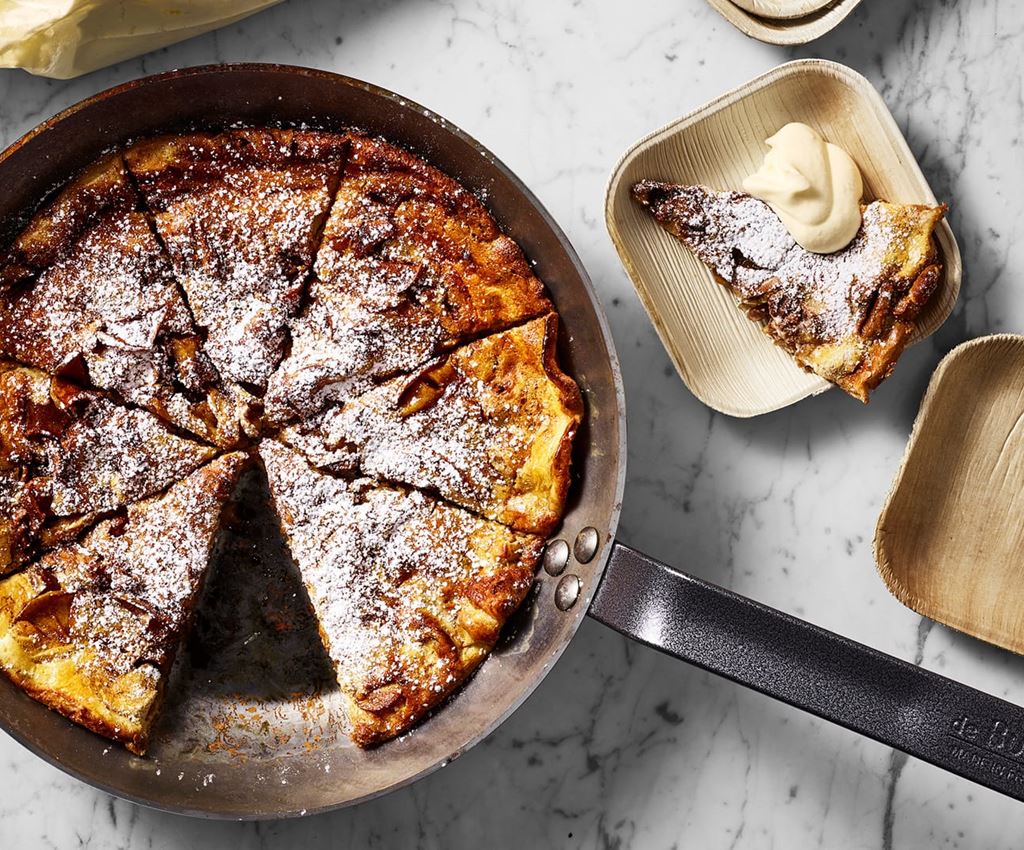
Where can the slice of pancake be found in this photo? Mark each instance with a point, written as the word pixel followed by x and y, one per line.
pixel 847 316
pixel 240 213
pixel 410 593
pixel 488 427
pixel 87 291
pixel 91 630
pixel 411 265
pixel 68 455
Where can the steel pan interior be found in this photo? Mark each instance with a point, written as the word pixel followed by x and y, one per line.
pixel 252 780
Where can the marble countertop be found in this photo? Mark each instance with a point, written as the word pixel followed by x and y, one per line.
pixel 621 747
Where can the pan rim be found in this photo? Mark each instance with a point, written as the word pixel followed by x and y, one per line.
pixel 609 522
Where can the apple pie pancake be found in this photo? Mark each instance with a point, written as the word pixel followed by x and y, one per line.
pixel 488 427
pixel 847 316
pixel 91 630
pixel 373 307
pixel 411 264
pixel 410 593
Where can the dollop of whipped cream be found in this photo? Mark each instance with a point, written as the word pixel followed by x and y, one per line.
pixel 814 186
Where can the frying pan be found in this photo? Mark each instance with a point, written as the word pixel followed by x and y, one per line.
pixel 585 569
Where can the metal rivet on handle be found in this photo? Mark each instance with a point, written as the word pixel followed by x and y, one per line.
pixel 556 556
pixel 567 592
pixel 586 544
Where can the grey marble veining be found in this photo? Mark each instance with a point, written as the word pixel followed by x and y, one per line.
pixel 620 747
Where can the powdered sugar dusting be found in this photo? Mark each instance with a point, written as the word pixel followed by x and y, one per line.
pixel 113 455
pixel 68 452
pixel 355 331
pixel 165 568
pixel 239 222
pixel 410 265
pixel 111 305
pixel 113 290
pixel 464 426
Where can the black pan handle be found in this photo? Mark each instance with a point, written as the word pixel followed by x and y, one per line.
pixel 964 731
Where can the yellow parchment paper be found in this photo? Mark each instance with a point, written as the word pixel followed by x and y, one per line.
pixel 65 38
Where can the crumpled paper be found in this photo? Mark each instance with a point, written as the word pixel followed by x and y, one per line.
pixel 65 38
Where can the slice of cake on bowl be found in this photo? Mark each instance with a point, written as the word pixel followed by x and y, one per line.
pixel 845 315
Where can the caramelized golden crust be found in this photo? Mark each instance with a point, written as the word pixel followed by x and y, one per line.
pixel 240 213
pixel 846 316
pixel 91 630
pixel 411 593
pixel 411 265
pixel 489 427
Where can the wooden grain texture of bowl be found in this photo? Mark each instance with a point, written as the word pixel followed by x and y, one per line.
pixel 950 539
pixel 798 30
